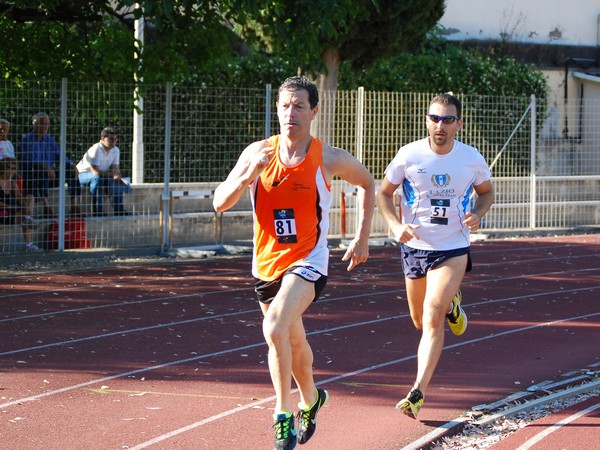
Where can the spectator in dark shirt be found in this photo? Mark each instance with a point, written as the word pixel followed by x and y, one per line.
pixel 39 157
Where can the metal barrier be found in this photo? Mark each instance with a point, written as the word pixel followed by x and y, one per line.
pixel 353 191
pixel 183 195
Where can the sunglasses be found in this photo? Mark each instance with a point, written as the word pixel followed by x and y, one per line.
pixel 446 119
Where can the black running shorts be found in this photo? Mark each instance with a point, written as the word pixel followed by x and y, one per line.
pixel 267 290
pixel 416 263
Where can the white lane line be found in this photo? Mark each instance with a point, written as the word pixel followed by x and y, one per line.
pixel 120 375
pixel 120 304
pixel 251 405
pixel 440 430
pixel 435 434
pixel 119 333
pixel 203 318
pixel 201 294
pixel 554 427
pixel 237 349
pixel 171 324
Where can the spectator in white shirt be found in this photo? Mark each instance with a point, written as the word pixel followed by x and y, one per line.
pixel 99 168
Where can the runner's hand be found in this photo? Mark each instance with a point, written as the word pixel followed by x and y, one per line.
pixel 260 160
pixel 473 222
pixel 358 252
pixel 406 232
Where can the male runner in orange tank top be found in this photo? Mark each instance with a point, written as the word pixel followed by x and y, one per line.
pixel 289 176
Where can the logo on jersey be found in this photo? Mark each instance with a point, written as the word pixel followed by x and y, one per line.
pixel 284 213
pixel 281 180
pixel 307 272
pixel 440 181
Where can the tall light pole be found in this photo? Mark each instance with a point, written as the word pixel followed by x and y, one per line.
pixel 138 117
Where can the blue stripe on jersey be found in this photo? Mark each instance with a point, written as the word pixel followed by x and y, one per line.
pixel 467 198
pixel 409 193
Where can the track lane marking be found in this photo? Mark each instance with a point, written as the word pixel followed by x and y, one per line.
pixel 357 372
pixel 256 310
pixel 556 426
pixel 200 423
pixel 357 275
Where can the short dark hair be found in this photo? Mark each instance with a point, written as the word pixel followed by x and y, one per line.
pixel 107 131
pixel 448 99
pixel 297 83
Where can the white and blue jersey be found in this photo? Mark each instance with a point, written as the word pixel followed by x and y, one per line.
pixel 436 191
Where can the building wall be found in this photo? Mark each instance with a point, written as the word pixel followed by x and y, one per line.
pixel 590 111
pixel 562 38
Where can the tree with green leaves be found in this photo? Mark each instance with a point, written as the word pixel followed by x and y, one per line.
pixel 440 66
pixel 320 34
pixel 87 40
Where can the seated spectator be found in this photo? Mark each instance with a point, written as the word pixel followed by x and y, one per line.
pixel 99 168
pixel 39 157
pixel 15 208
pixel 7 150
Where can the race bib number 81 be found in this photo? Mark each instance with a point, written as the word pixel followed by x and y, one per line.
pixel 285 226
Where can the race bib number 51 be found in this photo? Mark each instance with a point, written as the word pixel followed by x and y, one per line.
pixel 285 226
pixel 439 211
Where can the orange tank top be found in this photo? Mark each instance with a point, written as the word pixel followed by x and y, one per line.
pixel 291 214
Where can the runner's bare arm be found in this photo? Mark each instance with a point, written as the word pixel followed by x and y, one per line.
pixel 485 198
pixel 250 164
pixel 385 202
pixel 338 162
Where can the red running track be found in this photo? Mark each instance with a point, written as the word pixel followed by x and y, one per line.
pixel 171 355
pixel 574 428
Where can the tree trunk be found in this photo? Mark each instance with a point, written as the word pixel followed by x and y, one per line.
pixel 327 84
pixel 329 81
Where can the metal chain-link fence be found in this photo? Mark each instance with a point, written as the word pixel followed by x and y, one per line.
pixel 185 139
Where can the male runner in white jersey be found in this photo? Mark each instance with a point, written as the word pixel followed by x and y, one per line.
pixel 437 175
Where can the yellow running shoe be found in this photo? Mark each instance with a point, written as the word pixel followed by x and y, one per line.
pixel 411 404
pixel 457 319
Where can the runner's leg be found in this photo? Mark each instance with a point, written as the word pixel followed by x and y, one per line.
pixel 284 333
pixel 442 283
